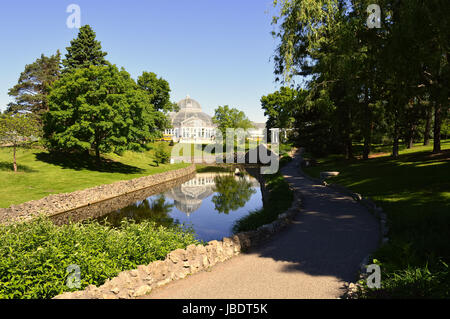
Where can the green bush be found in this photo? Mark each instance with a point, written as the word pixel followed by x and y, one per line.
pixel 162 154
pixel 34 256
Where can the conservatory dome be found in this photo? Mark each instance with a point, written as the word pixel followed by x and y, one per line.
pixel 190 123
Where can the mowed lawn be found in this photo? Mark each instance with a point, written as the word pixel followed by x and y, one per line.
pixel 41 174
pixel 414 191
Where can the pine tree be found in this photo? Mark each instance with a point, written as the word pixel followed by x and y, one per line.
pixel 84 51
pixel 34 85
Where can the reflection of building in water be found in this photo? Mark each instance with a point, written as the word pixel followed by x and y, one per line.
pixel 188 197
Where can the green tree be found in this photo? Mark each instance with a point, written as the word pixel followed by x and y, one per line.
pixel 159 90
pixel 84 51
pixel 375 78
pixel 226 117
pixel 99 108
pixel 281 106
pixel 18 130
pixel 30 93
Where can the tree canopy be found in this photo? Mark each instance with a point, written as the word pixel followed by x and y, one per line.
pixel 99 108
pixel 30 93
pixel 365 84
pixel 159 91
pixel 226 117
pixel 84 51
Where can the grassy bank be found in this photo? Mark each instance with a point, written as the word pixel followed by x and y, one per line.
pixel 34 256
pixel 41 174
pixel 280 199
pixel 414 191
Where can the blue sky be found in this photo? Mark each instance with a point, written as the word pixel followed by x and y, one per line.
pixel 217 51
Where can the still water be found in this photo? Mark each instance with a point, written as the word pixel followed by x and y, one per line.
pixel 210 203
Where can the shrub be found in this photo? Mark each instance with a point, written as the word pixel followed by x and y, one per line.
pixel 162 154
pixel 34 256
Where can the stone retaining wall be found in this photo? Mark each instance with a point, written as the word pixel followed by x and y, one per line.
pixel 102 208
pixel 182 262
pixel 60 203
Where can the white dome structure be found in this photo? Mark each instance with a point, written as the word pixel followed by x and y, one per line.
pixel 191 124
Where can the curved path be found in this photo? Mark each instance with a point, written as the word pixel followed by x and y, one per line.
pixel 312 258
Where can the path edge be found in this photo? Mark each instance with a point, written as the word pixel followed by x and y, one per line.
pixel 353 290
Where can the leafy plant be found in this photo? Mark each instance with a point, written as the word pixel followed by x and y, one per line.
pixel 34 256
pixel 162 154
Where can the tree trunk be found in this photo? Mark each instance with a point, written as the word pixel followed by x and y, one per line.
pixel 410 143
pixel 396 141
pixel 368 127
pixel 437 129
pixel 426 135
pixel 395 148
pixel 367 143
pixel 14 160
pixel 412 131
pixel 349 149
pixel 348 142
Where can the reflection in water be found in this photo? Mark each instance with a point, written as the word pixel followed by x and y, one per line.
pixel 232 193
pixel 210 203
pixel 188 196
pixel 154 209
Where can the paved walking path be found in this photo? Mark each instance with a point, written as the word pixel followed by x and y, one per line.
pixel 312 258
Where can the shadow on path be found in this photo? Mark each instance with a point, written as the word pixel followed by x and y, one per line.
pixel 312 258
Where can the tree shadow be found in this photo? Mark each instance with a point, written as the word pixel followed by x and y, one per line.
pixel 8 167
pixel 86 162
pixel 154 164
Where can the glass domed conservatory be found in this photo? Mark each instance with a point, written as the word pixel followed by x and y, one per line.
pixel 190 124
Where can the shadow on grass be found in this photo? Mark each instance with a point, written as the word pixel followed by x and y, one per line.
pixel 8 167
pixel 86 162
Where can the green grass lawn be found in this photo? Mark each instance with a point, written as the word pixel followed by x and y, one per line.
pixel 41 174
pixel 414 191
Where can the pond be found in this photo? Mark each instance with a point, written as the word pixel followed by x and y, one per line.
pixel 210 203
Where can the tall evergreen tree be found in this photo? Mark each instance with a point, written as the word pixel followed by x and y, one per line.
pixel 84 51
pixel 34 85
